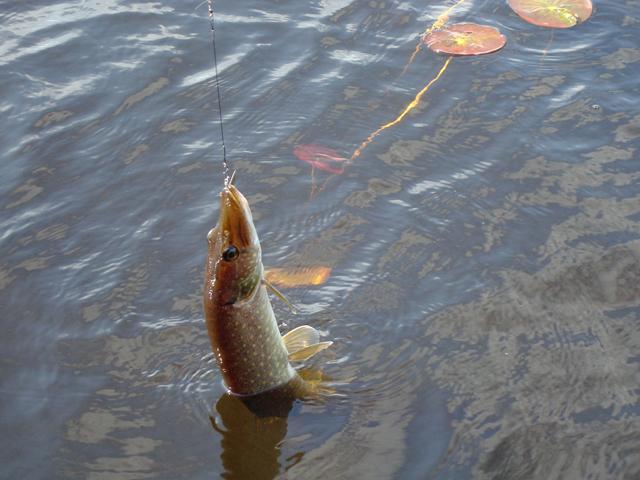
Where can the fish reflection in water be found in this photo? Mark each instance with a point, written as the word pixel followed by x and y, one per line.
pixel 253 427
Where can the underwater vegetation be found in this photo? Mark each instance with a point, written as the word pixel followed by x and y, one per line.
pixel 298 276
pixel 320 157
pixel 459 39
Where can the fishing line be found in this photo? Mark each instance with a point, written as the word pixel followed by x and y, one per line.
pixel 215 65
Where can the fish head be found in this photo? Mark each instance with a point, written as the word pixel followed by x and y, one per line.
pixel 234 264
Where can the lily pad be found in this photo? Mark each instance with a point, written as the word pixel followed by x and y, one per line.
pixel 553 13
pixel 320 157
pixel 465 39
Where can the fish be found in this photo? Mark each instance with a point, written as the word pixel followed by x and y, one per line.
pixel 252 355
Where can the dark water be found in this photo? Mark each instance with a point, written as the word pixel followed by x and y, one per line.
pixel 485 292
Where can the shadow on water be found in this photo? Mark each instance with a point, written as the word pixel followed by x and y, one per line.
pixel 252 429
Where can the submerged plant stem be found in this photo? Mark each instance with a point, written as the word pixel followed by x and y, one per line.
pixel 439 23
pixel 404 113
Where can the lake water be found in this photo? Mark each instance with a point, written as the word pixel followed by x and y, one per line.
pixel 484 297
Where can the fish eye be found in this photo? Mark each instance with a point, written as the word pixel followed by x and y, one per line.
pixel 231 253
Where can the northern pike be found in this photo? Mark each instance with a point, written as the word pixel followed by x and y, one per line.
pixel 252 355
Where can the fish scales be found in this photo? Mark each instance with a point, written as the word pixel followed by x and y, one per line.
pixel 247 342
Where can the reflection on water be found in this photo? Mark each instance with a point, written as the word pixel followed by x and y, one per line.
pixel 484 253
pixel 252 429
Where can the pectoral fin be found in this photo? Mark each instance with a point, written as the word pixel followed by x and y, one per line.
pixel 280 295
pixel 303 342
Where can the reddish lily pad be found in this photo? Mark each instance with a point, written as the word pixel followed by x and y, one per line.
pixel 553 13
pixel 465 39
pixel 320 157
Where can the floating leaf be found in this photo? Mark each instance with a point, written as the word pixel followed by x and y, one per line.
pixel 465 39
pixel 297 277
pixel 320 157
pixel 553 13
pixel 440 22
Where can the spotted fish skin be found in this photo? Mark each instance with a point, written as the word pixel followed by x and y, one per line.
pixel 248 345
pixel 240 321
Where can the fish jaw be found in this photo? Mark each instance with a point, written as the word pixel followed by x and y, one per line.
pixel 236 221
pixel 234 262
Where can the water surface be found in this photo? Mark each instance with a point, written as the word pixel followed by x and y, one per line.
pixel 485 253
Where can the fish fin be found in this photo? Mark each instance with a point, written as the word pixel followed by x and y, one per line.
pixel 300 337
pixel 303 342
pixel 309 351
pixel 280 295
pixel 316 383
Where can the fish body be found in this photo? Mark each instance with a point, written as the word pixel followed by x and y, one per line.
pixel 252 355
pixel 248 345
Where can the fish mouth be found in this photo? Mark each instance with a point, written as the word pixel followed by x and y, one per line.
pixel 236 222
